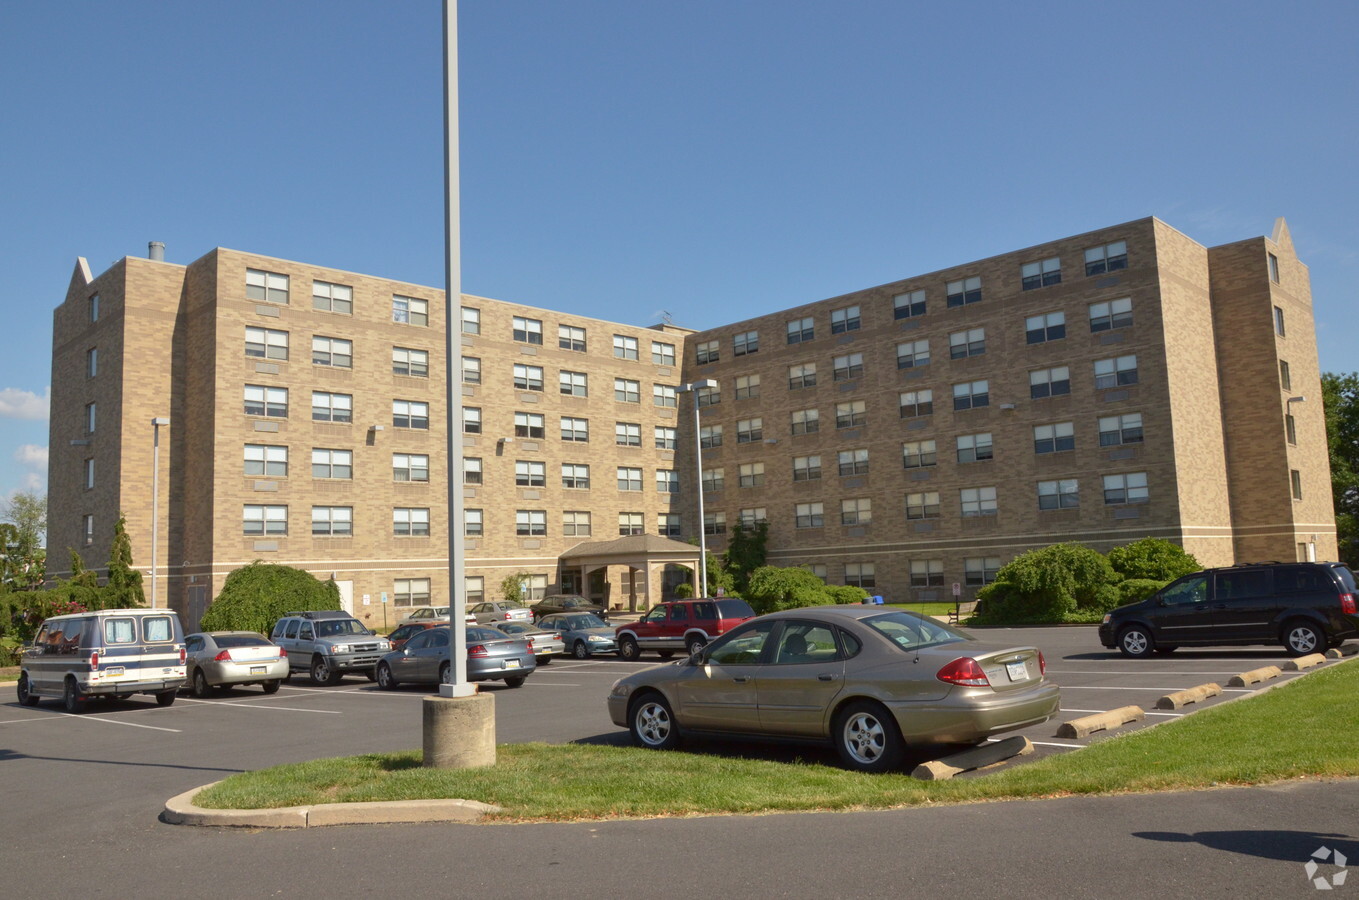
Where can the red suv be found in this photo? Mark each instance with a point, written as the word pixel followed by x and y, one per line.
pixel 681 624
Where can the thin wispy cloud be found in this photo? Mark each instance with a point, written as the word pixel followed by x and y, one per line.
pixel 31 455
pixel 16 403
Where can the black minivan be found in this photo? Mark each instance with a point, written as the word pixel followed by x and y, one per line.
pixel 1305 606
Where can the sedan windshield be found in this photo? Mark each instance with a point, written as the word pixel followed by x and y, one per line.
pixel 912 632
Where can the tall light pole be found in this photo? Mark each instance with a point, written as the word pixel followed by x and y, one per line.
pixel 156 423
pixel 694 388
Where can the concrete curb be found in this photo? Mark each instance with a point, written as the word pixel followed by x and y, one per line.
pixel 180 810
pixel 1087 725
pixel 1342 651
pixel 1254 676
pixel 976 758
pixel 1304 662
pixel 1192 695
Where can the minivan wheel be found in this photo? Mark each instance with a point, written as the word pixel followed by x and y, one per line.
pixel 26 695
pixel 71 700
pixel 1136 641
pixel 323 673
pixel 628 649
pixel 1301 637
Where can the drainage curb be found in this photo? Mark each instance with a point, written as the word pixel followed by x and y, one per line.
pixel 181 810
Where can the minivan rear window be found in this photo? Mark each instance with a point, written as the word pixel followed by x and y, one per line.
pixel 157 629
pixel 120 631
pixel 1346 578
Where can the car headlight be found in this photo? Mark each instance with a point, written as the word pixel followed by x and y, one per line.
pixel 597 639
pixel 1107 617
pixel 384 645
pixel 620 688
pixel 339 648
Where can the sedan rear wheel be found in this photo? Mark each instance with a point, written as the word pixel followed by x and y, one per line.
pixel 1136 641
pixel 445 674
pixel 652 724
pixel 201 688
pixel 515 681
pixel 385 680
pixel 26 695
pixel 628 649
pixel 867 738
pixel 270 687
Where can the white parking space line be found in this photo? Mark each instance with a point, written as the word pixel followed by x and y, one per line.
pixel 1174 673
pixel 1069 710
pixel 1171 715
pixel 88 718
pixel 1041 744
pixel 328 712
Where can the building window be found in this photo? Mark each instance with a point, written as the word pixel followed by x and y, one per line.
pixel 860 575
pixel 410 310
pixel 266 343
pixel 625 390
pixel 852 462
pixel 1128 488
pixel 916 403
pixel 913 354
pixel 575 523
pixel 851 415
pixel 1115 372
pixel 714 480
pixel 843 368
pixel 630 523
pixel 974 447
pixel 747 387
pixel 801 330
pixel 666 438
pixel 980 570
pixel 978 501
pixel 528 378
pixel 406 361
pixel 629 479
pixel 336 298
pixel 662 354
pixel 327 463
pixel 410 521
pixel 259 401
pixel 412 591
pixel 92 362
pixel 91 409
pixel 473 524
pixel 668 524
pixel 625 347
pixel 962 344
pixel 471 320
pixel 1273 268
pixel 265 520
pixel 1111 314
pixel 1108 258
pixel 1054 438
pixel 1285 378
pixel 843 320
pixel 93 310
pixel 751 475
pixel 923 505
pixel 663 395
pixel 530 522
pixel 332 521
pixel 471 469
pixel 527 331
pixel 577 430
pixel 327 407
pixel 1063 494
pixel 529 425
pixel 919 454
pixel 471 420
pixel 809 515
pixel 1044 328
pixel 805 421
pixel 475 588
pixel 471 370
pixel 87 522
pixel 667 481
pixel 745 343
pixel 966 290
pixel 268 287
pixel 266 459
pixel 530 473
pixel 1279 322
pixel 1042 273
pixel 801 376
pixel 326 351
pixel 571 338
pixel 1294 481
pixel 576 476
pixel 710 436
pixel 749 431
pixel 715 523
pixel 410 414
pixel 971 395
pixel 806 468
pixel 858 511
pixel 708 396
pixel 707 352
pixel 1049 382
pixel 627 434
pixel 908 305
pixel 89 474
pixel 1124 429
pixel 1290 429
pixel 927 573
pixel 752 516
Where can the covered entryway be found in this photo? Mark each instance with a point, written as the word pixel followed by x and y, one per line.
pixel 645 557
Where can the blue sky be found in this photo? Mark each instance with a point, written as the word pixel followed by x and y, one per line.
pixel 713 160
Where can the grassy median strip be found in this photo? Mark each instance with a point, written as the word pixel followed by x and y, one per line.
pixel 1309 727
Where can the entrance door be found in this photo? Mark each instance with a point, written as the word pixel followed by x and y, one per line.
pixel 346 596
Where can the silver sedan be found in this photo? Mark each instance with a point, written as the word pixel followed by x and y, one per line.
pixel 218 659
pixel 546 644
pixel 491 656
pixel 493 611
pixel 868 680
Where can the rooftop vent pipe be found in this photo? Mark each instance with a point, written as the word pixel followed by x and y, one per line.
pixel 155 250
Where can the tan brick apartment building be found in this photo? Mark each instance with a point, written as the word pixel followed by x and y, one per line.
pixel 1100 388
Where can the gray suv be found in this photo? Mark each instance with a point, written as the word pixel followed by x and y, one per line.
pixel 329 644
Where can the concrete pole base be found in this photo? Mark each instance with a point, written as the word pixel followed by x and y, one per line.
pixel 459 731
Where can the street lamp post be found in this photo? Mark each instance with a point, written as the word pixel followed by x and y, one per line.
pixel 156 423
pixel 694 388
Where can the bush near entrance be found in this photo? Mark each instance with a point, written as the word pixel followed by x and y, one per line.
pixel 256 596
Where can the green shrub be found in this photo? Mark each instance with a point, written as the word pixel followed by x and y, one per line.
pixel 256 596
pixel 1135 589
pixel 1154 559
pixel 846 594
pixel 1048 584
pixel 683 591
pixel 773 588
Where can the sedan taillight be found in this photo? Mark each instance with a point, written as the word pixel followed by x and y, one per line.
pixel 476 650
pixel 224 656
pixel 1042 664
pixel 530 646
pixel 964 671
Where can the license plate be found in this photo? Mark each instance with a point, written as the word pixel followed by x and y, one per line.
pixel 1017 671
pixel 113 671
pixel 511 663
pixel 258 670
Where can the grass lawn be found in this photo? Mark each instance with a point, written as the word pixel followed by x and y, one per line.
pixel 1309 727
pixel 9 673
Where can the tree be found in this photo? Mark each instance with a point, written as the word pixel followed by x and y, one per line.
pixel 1340 397
pixel 256 596
pixel 745 553
pixel 123 590
pixel 1154 559
pixel 24 566
pixel 512 587
pixel 28 514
